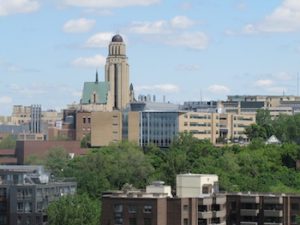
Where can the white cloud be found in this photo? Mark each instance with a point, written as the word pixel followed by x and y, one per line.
pixel 181 22
pixel 8 7
pixel 170 32
pixel 5 100
pixel 157 27
pixel 285 18
pixel 30 91
pixel 109 3
pixel 277 90
pixel 193 40
pixel 79 26
pixel 264 83
pixel 161 26
pixel 218 89
pixel 95 61
pixel 284 76
pixel 188 67
pixel 169 88
pixel 99 40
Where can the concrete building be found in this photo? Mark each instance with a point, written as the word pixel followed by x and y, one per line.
pixel 25 193
pixel 160 123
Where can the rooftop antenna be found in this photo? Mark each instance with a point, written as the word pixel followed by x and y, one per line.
pixel 298 84
pixel 200 95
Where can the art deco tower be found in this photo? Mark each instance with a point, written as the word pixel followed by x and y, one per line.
pixel 117 73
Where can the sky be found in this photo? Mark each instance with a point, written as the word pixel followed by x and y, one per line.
pixel 185 50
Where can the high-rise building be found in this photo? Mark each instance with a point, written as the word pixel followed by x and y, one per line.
pixel 117 72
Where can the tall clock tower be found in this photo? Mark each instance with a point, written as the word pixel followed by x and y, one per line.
pixel 117 73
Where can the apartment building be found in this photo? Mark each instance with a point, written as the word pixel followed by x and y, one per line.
pixel 198 202
pixel 26 192
pixel 155 206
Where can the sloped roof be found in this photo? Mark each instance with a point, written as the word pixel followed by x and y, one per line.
pixel 99 88
pixel 273 140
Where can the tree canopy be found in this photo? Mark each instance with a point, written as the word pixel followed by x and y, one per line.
pixel 74 210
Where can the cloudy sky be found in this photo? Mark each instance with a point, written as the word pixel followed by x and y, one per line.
pixel 183 49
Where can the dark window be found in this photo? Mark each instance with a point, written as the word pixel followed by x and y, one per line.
pixel 118 208
pixel 84 120
pixel 132 221
pixel 147 221
pixel 89 120
pixel 295 206
pixel 185 207
pixel 147 209
pixel 132 209
pixel 185 221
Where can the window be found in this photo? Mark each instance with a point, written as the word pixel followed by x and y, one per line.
pixel 84 120
pixel 147 209
pixel 147 221
pixel 132 209
pixel 89 120
pixel 118 208
pixel 185 207
pixel 132 221
pixel 295 206
pixel 20 207
pixel 185 221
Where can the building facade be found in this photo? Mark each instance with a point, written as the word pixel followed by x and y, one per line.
pixel 198 202
pixel 26 192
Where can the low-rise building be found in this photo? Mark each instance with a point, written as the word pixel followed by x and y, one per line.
pixel 26 192
pixel 198 202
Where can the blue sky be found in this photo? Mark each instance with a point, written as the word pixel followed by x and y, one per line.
pixel 183 49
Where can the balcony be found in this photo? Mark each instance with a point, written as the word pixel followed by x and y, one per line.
pixel 205 201
pixel 273 213
pixel 249 212
pixel 204 215
pixel 220 200
pixel 249 223
pixel 269 223
pixel 273 200
pixel 221 223
pixel 250 199
pixel 219 213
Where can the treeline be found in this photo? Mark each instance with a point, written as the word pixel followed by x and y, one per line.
pixel 256 167
pixel 285 127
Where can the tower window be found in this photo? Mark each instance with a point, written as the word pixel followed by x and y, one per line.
pixel 94 98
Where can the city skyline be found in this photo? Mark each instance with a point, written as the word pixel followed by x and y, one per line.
pixel 185 50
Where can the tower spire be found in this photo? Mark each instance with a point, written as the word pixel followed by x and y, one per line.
pixel 96 77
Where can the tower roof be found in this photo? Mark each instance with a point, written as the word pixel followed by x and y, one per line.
pixel 100 89
pixel 117 38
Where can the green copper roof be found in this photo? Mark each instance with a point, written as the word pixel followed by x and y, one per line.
pixel 99 88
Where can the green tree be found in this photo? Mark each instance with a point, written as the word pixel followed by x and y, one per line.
pixel 74 210
pixel 86 141
pixel 8 142
pixel 110 168
pixel 57 161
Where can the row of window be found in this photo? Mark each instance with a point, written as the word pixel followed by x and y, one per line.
pixel 118 208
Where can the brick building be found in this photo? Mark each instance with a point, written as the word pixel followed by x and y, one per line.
pixel 197 202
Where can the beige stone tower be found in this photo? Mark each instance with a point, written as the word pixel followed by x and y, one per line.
pixel 117 73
